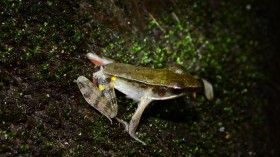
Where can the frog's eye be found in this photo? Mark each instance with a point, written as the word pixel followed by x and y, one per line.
pixel 177 91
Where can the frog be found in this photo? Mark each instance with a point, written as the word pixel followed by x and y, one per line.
pixel 142 84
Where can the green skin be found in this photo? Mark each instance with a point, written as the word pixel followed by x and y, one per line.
pixel 142 84
pixel 175 77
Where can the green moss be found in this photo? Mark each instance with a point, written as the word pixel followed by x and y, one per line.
pixel 42 53
pixel 25 148
pixel 48 145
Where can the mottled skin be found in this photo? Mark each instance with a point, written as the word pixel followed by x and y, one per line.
pixel 141 84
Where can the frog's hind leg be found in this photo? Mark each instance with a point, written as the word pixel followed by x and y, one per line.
pixel 106 86
pixel 98 98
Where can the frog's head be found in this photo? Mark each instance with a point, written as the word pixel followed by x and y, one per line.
pixel 181 78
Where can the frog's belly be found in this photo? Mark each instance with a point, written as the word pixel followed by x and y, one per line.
pixel 136 90
pixel 132 89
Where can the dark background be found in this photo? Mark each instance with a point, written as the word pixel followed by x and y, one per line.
pixel 273 70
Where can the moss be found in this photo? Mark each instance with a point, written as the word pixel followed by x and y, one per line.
pixel 42 53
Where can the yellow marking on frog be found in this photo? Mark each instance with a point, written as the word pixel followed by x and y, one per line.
pixel 141 98
pixel 113 78
pixel 101 88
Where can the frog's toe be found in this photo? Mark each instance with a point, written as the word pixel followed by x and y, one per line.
pixel 133 135
pixel 109 119
pixel 125 124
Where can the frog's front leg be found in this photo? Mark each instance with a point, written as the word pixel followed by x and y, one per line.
pixel 132 126
pixel 102 98
pixel 144 102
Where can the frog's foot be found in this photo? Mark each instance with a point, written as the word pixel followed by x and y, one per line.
pixel 208 89
pixel 125 124
pixel 133 135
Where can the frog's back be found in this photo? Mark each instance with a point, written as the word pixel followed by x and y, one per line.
pixel 159 77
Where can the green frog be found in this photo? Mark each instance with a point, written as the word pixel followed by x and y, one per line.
pixel 141 84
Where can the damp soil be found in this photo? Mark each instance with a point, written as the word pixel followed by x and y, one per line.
pixel 233 45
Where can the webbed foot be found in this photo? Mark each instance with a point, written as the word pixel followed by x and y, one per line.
pixel 131 133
